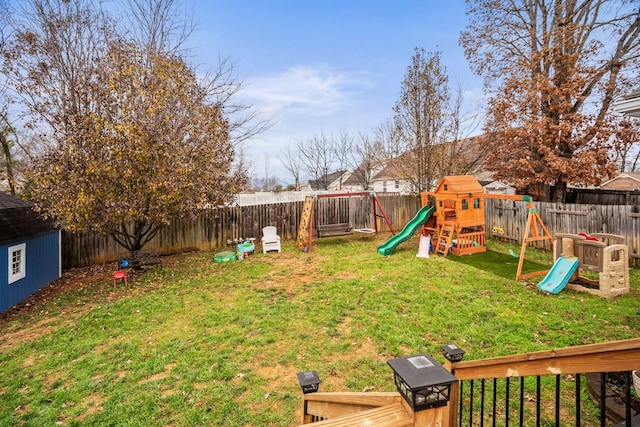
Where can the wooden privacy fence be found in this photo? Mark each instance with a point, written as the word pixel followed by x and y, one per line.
pixel 212 229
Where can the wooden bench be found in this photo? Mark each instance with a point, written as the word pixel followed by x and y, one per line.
pixel 339 229
pixel 139 259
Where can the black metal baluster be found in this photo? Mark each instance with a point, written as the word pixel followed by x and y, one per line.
pixel 578 400
pixel 557 400
pixel 521 401
pixel 471 403
pixel 603 399
pixel 538 401
pixel 495 401
pixel 627 398
pixel 482 403
pixel 460 405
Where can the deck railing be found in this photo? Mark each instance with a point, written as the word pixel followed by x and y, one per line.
pixel 532 388
pixel 528 389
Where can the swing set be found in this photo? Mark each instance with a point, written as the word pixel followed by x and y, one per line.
pixel 304 240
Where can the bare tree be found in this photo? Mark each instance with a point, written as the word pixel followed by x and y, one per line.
pixel 8 140
pixel 291 161
pixel 159 25
pixel 365 160
pixel 388 139
pixel 317 158
pixel 461 154
pixel 420 117
pixel 342 151
pixel 50 59
pixel 166 25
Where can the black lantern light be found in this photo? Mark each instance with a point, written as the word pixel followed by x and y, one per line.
pixel 309 381
pixel 452 353
pixel 422 381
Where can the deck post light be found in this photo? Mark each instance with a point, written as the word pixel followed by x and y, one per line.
pixel 309 381
pixel 422 381
pixel 452 353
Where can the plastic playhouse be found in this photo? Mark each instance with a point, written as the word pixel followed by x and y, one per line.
pixel 603 253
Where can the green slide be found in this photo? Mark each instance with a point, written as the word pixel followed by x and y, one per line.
pixel 421 217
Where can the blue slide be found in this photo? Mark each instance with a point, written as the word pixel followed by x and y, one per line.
pixel 559 275
pixel 421 217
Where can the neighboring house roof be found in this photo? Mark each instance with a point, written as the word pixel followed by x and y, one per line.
pixel 468 150
pixel 328 179
pixel 355 178
pixel 19 220
pixel 624 181
pixel 630 104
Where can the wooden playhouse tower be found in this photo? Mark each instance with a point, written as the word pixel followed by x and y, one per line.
pixel 459 216
pixel 458 225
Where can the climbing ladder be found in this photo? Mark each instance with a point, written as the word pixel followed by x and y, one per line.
pixel 445 235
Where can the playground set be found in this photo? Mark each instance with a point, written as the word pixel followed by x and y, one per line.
pixel 603 253
pixel 304 240
pixel 453 218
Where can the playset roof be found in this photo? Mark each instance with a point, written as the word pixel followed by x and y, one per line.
pixel 459 185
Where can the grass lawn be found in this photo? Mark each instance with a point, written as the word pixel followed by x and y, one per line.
pixel 219 344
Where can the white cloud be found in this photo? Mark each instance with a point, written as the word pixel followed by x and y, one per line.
pixel 315 91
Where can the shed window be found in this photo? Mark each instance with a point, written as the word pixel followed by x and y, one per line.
pixel 476 203
pixel 17 262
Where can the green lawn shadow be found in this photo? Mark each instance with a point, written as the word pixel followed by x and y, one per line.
pixel 501 264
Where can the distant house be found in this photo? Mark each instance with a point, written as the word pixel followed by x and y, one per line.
pixel 627 181
pixel 391 176
pixel 30 252
pixel 630 104
pixel 332 182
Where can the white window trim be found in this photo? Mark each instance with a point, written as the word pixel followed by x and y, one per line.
pixel 22 247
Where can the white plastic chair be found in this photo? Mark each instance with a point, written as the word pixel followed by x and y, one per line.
pixel 270 240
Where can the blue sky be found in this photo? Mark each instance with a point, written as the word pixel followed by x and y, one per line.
pixel 328 65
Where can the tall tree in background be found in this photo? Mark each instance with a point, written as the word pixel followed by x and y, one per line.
pixel 291 162
pixel 317 157
pixel 49 60
pixel 8 140
pixel 553 68
pixel 420 118
pixel 365 160
pixel 626 144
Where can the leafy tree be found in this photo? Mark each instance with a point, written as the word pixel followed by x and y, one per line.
pixel 420 118
pixel 131 136
pixel 553 68
pixel 152 149
pixel 626 144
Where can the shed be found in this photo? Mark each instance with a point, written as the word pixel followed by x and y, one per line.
pixel 30 251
